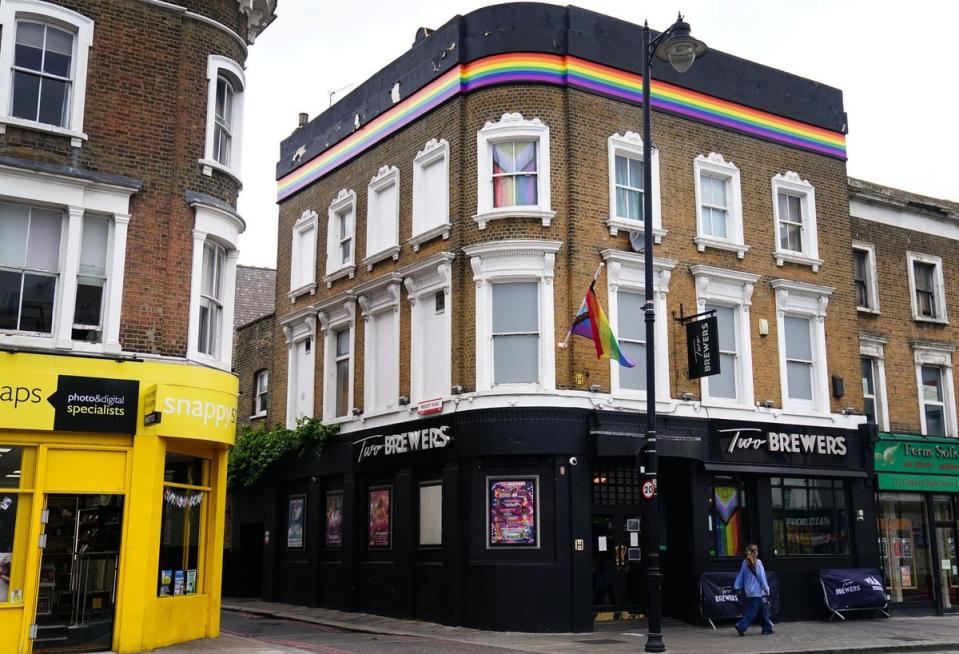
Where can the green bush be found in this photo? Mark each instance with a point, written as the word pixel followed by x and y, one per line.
pixel 257 449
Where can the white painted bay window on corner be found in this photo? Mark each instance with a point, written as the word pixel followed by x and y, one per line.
pixel 800 315
pixel 515 333
pixel 211 299
pixel 383 217
pixel 340 237
pixel 928 287
pixel 29 267
pixel 431 193
pixel 719 220
pixel 91 280
pixel 303 256
pixel 864 277
pixel 794 212
pixel 626 192
pixel 224 122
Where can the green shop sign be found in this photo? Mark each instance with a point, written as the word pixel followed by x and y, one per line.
pixel 917 463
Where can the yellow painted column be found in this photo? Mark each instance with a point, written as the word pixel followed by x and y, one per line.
pixel 214 550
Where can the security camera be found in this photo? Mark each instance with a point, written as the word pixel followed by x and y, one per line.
pixel 573 460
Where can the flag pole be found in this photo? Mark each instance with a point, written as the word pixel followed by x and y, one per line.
pixel 569 332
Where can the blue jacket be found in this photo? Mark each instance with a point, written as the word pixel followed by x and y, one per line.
pixel 755 584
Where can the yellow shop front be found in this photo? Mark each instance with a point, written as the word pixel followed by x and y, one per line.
pixel 112 500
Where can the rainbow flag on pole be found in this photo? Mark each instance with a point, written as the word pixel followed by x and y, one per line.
pixel 590 322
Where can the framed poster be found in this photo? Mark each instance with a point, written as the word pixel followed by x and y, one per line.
pixel 334 519
pixel 381 517
pixel 513 507
pixel 294 524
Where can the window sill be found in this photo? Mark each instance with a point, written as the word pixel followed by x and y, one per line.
pixel 207 360
pixel 782 256
pixel 257 416
pixel 875 312
pixel 209 165
pixel 934 321
pixel 301 290
pixel 804 411
pixel 76 138
pixel 345 271
pixel 703 242
pixel 723 403
pixel 616 224
pixel 545 215
pixel 440 230
pixel 392 252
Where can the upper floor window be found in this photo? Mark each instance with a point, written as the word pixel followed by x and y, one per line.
pixel 383 216
pixel 211 299
pixel 794 212
pixel 801 313
pixel 29 267
pixel 380 303
pixel 303 256
pixel 719 219
pixel 431 192
pixel 340 237
pixel 872 363
pixel 864 277
pixel 928 287
pixel 513 175
pixel 341 359
pixel 91 279
pixel 626 185
pixel 46 56
pixel 937 397
pixel 428 285
pixel 224 121
pixel 337 318
pixel 261 393
pixel 299 331
pixel 516 332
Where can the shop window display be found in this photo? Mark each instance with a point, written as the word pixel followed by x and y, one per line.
pixel 904 546
pixel 809 516
pixel 16 499
pixel 186 494
pixel 728 517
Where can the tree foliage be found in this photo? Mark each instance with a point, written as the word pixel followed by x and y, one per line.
pixel 259 448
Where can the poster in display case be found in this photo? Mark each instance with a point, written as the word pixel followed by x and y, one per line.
pixel 294 525
pixel 513 508
pixel 334 519
pixel 381 517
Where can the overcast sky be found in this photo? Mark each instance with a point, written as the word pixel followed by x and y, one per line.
pixel 901 98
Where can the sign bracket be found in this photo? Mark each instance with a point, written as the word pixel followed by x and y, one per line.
pixel 683 319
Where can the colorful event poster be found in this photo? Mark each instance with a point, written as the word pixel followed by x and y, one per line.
pixel 897 547
pixel 512 512
pixel 166 582
pixel 294 525
pixel 191 582
pixel 179 580
pixel 334 519
pixel 380 517
pixel 905 574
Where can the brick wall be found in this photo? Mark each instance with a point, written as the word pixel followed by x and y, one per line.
pixel 253 352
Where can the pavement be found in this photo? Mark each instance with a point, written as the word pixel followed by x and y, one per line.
pixel 255 627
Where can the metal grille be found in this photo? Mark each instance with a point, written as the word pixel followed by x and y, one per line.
pixel 615 485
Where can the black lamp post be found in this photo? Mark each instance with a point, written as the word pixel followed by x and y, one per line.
pixel 676 46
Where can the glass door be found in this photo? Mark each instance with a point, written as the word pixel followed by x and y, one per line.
pixel 945 524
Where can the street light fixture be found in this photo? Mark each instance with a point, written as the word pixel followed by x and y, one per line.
pixel 681 50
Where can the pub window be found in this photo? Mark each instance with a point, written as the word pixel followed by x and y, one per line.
pixel 186 496
pixel 809 516
pixel 431 513
pixel 728 517
pixel 16 500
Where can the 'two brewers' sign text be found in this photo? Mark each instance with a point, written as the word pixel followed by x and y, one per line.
pixel 382 446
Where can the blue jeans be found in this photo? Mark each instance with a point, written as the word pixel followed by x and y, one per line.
pixel 756 605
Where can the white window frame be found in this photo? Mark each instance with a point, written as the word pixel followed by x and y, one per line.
pixel 792 184
pixel 625 271
pixel 872 277
pixel 307 220
pixel 630 145
pixel 258 393
pixel 213 300
pixel 715 165
pixel 874 348
pixel 298 327
pixel 345 201
pixel 733 289
pixel 335 315
pixel 435 152
pixel 82 29
pixel 942 316
pixel 937 355
pixel 804 300
pixel 216 67
pixel 514 260
pixel 423 281
pixel 386 177
pixel 374 298
pixel 512 127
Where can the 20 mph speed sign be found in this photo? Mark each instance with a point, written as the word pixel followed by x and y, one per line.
pixel 649 489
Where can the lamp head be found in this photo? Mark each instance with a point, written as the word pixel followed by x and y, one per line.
pixel 679 48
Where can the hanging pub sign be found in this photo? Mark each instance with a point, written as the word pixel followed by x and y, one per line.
pixel 421 440
pixel 702 347
pixel 775 444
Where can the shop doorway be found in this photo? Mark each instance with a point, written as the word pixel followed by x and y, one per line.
pixel 944 524
pixel 619 580
pixel 76 600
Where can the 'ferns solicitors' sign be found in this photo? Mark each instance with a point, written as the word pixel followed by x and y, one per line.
pixel 413 441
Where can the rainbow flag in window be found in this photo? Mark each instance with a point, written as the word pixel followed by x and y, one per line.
pixel 590 322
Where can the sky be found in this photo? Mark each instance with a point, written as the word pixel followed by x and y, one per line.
pixel 901 96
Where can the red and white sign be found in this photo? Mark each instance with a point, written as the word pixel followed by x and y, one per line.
pixel 427 407
pixel 649 489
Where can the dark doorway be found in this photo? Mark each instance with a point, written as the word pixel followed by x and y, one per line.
pixel 247 582
pixel 619 581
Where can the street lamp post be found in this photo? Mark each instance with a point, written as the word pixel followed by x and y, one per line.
pixel 676 46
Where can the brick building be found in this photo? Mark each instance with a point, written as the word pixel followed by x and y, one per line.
pixel 120 139
pixel 438 229
pixel 253 345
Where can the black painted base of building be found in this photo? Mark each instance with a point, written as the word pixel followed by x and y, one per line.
pixel 539 525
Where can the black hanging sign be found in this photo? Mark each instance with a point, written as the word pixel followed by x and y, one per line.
pixel 702 347
pixel 94 404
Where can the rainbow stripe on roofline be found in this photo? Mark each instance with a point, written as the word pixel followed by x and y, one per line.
pixel 572 72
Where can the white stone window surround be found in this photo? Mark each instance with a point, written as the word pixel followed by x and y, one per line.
pixel 872 276
pixel 940 356
pixel 804 300
pixel 426 228
pixel 335 315
pixel 82 29
pixel 216 66
pixel 214 223
pixel 514 260
pixel 715 165
pixel 625 271
pixel 259 392
pixel 874 347
pixel 303 247
pixel 298 327
pixel 345 201
pixel 791 183
pixel 511 127
pixel 423 280
pixel 942 316
pixel 734 289
pixel 630 145
pixel 375 298
pixel 76 197
pixel 386 177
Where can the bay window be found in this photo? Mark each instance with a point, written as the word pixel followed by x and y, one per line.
pixel 29 267
pixel 224 119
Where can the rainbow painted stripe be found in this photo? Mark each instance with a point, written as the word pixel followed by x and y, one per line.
pixel 525 67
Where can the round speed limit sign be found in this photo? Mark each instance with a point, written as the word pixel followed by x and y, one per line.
pixel 649 489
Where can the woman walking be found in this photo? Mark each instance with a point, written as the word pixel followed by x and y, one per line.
pixel 752 579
